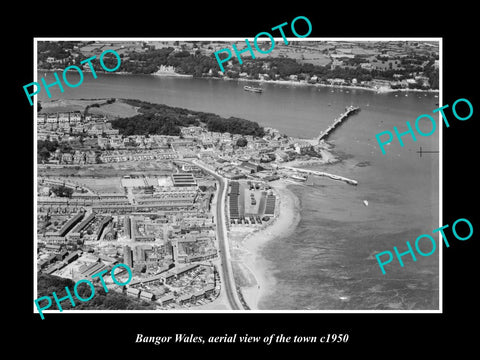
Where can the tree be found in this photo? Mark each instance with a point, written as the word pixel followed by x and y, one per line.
pixel 62 191
pixel 65 147
pixel 49 145
pixel 242 142
pixel 165 120
pixel 233 74
pixel 44 154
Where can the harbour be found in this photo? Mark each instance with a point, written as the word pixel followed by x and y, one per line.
pixel 322 173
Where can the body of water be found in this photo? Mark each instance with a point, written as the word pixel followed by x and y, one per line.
pixel 328 262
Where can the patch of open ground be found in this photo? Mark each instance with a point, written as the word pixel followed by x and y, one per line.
pixel 115 110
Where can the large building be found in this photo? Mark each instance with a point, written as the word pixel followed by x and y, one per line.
pixel 270 205
pixel 233 200
pixel 183 179
pixel 70 223
pixel 86 271
pixel 250 167
pixel 127 226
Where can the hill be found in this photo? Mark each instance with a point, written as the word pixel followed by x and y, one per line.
pixel 159 119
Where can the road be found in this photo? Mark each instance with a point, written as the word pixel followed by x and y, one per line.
pixel 226 268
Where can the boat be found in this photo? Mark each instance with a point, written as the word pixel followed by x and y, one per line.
pixel 252 89
pixel 365 202
pixel 298 178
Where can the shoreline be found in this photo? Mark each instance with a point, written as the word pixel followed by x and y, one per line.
pixel 170 74
pixel 249 245
pixel 281 82
pixel 353 87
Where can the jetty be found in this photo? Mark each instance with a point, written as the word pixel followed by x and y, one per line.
pixel 348 111
pixel 321 173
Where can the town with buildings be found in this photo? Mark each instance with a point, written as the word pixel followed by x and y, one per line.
pixel 149 201
pixel 160 227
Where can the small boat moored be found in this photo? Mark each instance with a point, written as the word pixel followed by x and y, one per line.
pixel 252 89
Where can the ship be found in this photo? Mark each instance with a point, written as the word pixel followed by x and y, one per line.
pixel 298 178
pixel 252 89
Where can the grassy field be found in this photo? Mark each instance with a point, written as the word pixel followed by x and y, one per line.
pixel 114 110
pixel 64 105
pixel 121 47
pixel 103 185
pixel 106 184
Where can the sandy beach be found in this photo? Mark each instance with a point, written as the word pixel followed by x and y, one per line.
pixel 257 279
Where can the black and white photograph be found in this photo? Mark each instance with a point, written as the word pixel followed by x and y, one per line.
pixel 275 184
pixel 203 183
